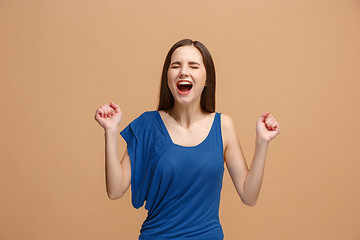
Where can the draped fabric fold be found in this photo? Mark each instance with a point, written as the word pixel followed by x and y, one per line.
pixel 181 185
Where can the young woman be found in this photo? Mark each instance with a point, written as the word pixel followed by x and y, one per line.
pixel 175 156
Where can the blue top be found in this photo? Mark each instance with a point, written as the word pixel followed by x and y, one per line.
pixel 181 185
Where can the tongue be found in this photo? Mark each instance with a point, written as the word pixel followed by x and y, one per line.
pixel 184 88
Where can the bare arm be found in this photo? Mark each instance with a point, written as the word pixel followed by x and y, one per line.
pixel 118 174
pixel 248 182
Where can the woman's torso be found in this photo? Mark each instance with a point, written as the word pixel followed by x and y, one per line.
pixel 180 184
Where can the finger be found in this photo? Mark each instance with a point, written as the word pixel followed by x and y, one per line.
pixel 273 125
pixel 268 121
pixel 108 110
pixel 105 111
pixel 103 108
pixel 270 128
pixel 101 112
pixel 97 113
pixel 262 117
pixel 278 128
pixel 115 106
pixel 265 114
pixel 270 116
pixel 273 118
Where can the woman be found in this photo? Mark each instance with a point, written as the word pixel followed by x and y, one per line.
pixel 175 156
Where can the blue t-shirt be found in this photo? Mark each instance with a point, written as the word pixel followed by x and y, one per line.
pixel 181 185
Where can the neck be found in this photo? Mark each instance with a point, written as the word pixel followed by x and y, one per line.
pixel 186 115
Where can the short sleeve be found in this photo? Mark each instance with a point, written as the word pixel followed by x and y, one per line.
pixel 133 134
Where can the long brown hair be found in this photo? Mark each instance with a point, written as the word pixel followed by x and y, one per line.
pixel 207 102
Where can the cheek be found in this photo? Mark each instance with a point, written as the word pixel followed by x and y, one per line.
pixel 170 80
pixel 202 77
pixel 171 75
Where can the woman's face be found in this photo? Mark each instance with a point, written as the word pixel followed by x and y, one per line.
pixel 186 75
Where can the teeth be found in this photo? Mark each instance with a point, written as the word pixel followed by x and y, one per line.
pixel 184 83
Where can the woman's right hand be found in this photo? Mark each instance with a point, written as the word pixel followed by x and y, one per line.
pixel 109 116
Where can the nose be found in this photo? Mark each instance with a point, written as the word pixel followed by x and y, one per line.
pixel 183 72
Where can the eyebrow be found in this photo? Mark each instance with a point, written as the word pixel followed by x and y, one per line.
pixel 191 63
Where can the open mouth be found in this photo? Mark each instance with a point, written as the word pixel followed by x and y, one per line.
pixel 184 87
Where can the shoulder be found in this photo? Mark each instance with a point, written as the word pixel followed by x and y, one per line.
pixel 227 129
pixel 142 122
pixel 145 117
pixel 227 124
pixel 148 114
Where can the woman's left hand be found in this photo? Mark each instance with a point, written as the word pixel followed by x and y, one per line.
pixel 267 127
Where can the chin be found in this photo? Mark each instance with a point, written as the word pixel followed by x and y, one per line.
pixel 186 101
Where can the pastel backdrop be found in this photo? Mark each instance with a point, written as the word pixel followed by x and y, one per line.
pixel 61 60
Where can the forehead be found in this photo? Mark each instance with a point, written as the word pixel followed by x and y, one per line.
pixel 187 53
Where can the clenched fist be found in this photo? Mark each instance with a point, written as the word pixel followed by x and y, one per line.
pixel 109 116
pixel 267 127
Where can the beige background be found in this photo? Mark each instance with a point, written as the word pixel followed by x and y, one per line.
pixel 61 60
